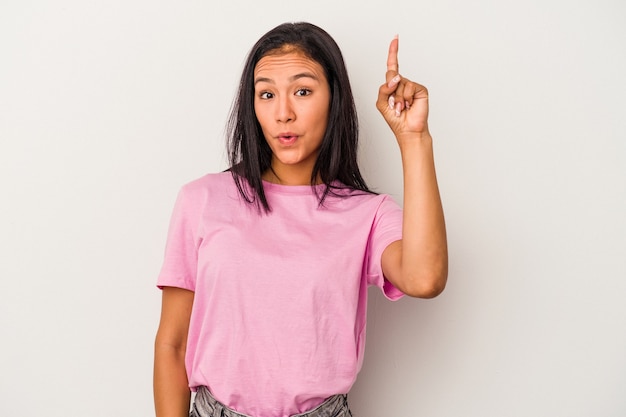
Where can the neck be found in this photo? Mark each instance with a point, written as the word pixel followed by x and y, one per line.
pixel 286 175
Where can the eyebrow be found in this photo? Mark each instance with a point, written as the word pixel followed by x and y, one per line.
pixel 291 79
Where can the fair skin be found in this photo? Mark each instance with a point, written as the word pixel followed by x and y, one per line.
pixel 417 264
pixel 291 103
pixel 171 390
pixel 292 100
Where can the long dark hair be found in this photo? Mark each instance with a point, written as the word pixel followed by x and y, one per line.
pixel 250 155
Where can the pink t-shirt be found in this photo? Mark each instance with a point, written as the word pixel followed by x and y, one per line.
pixel 278 320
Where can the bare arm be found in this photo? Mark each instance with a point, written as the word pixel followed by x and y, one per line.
pixel 171 387
pixel 418 264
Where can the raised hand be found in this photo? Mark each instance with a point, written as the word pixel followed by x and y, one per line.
pixel 417 264
pixel 402 102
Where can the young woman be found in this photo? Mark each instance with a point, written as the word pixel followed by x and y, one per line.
pixel 267 265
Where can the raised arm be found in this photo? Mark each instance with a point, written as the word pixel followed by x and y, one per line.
pixel 418 264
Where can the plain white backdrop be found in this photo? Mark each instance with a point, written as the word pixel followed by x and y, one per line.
pixel 107 108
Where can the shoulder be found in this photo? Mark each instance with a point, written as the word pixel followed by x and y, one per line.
pixel 360 196
pixel 209 181
pixel 213 188
pixel 208 184
pixel 361 200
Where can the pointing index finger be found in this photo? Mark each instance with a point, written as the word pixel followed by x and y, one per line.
pixel 392 58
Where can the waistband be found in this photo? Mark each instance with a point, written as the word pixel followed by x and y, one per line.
pixel 205 405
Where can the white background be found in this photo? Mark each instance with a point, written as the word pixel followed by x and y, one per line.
pixel 107 108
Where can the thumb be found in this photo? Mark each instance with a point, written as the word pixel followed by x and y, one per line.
pixel 386 92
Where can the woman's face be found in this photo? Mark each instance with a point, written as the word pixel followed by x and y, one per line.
pixel 292 99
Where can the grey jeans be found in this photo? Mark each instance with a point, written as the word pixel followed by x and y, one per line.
pixel 205 405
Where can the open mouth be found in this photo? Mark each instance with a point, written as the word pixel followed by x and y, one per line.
pixel 287 139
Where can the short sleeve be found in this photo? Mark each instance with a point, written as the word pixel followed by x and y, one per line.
pixel 181 249
pixel 386 229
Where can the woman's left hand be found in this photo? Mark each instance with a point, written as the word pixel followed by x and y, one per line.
pixel 402 102
pixel 418 263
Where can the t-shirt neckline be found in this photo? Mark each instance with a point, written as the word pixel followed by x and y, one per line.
pixel 271 187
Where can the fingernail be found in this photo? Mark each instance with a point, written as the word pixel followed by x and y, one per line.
pixel 395 80
pixel 398 110
pixel 407 105
pixel 392 102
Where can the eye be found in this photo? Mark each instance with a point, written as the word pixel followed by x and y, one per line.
pixel 265 95
pixel 303 92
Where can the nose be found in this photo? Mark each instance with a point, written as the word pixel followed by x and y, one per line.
pixel 284 110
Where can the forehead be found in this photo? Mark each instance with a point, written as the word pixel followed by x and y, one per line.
pixel 287 64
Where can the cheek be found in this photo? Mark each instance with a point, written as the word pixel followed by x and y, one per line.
pixel 319 113
pixel 260 116
pixel 323 119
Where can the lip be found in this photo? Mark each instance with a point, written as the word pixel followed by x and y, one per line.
pixel 287 138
